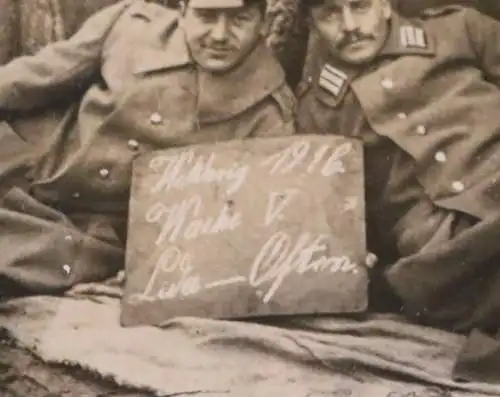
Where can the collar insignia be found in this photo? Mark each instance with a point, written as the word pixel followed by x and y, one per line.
pixel 332 79
pixel 413 37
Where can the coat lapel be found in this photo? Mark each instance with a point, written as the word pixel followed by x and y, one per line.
pixel 164 45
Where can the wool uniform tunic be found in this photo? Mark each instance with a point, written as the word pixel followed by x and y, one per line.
pixel 426 110
pixel 133 88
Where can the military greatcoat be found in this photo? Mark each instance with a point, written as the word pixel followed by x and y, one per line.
pixel 429 103
pixel 132 87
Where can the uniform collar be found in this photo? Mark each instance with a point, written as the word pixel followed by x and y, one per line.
pixel 220 97
pixel 408 37
pixel 332 78
pixel 166 46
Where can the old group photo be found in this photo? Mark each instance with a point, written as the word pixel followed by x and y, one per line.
pixel 238 198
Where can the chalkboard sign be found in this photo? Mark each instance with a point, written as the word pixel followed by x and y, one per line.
pixel 246 228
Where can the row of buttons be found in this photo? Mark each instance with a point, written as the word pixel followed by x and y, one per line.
pixel 420 130
pixel 132 144
pixel 440 156
pixel 155 119
pixel 105 172
pixel 67 268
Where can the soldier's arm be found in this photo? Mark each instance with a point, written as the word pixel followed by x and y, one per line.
pixel 484 35
pixel 63 67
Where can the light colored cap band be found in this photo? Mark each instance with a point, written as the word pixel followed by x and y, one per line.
pixel 216 3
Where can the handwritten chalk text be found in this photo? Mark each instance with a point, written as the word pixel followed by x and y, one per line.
pixel 171 261
pixel 183 220
pixel 295 154
pixel 176 265
pixel 279 258
pixel 184 169
pixel 277 202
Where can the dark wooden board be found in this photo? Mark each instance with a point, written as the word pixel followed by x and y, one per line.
pixel 247 228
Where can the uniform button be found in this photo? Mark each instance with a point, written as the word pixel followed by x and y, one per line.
pixel 402 116
pixel 104 172
pixel 440 156
pixel 387 83
pixel 133 144
pixel 156 118
pixel 76 195
pixel 458 186
pixel 309 79
pixel 67 269
pixel 421 130
pixel 68 238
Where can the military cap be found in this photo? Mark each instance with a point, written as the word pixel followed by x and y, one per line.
pixel 221 3
pixel 305 4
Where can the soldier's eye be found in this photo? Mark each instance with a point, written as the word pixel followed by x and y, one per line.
pixel 329 12
pixel 243 17
pixel 360 5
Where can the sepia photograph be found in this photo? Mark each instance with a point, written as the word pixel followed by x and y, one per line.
pixel 249 198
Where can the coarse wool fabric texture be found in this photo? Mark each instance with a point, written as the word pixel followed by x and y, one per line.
pixel 374 355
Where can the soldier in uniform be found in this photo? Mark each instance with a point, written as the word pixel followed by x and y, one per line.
pixel 422 95
pixel 138 77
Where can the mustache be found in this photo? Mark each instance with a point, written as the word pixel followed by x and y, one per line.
pixel 218 45
pixel 353 37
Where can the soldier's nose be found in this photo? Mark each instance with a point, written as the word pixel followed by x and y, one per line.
pixel 348 22
pixel 219 31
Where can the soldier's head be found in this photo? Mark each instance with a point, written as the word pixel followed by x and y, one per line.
pixel 221 33
pixel 354 30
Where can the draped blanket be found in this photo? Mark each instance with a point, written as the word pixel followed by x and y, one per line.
pixel 376 356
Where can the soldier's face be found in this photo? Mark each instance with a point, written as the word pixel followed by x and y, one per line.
pixel 220 38
pixel 354 30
